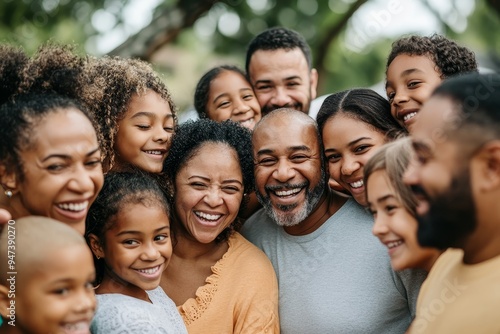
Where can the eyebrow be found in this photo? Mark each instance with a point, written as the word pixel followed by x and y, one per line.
pixel 67 157
pixel 355 141
pixel 138 232
pixel 420 147
pixel 288 149
pixel 208 180
pixel 385 198
pixel 405 73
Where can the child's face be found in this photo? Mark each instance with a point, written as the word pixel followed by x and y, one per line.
pixel 410 82
pixel 209 191
pixel 144 133
pixel 138 247
pixel 62 170
pixel 58 296
pixel 349 143
pixel 232 97
pixel 395 226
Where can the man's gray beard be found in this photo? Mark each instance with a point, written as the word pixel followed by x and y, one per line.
pixel 282 217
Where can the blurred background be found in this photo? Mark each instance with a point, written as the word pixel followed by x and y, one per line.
pixel 350 39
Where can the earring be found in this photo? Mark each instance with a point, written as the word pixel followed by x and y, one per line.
pixel 98 257
pixel 8 193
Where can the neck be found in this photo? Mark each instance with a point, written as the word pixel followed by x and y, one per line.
pixel 188 248
pixel 111 283
pixel 14 206
pixel 326 207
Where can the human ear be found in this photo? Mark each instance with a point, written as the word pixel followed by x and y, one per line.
pixel 96 246
pixel 8 180
pixel 4 301
pixel 313 77
pixel 490 166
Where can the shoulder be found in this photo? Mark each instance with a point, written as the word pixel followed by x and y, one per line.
pixel 246 252
pixel 257 226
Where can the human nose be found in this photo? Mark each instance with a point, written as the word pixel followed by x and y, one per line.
pixel 160 134
pixel 213 197
pixel 283 172
pixel 410 176
pixel 281 97
pixel 379 228
pixel 349 166
pixel 400 96
pixel 240 108
pixel 150 252
pixel 86 301
pixel 84 179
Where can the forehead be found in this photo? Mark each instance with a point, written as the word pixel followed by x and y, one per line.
pixel 274 64
pixel 284 132
pixel 228 80
pixel 404 62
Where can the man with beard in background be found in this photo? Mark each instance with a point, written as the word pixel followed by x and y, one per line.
pixel 457 180
pixel 279 67
pixel 334 276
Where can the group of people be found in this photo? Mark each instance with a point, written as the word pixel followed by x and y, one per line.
pixel 264 215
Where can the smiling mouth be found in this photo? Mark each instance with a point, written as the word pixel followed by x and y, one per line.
pixel 409 116
pixel 393 244
pixel 155 152
pixel 149 271
pixel 357 184
pixel 80 327
pixel 207 216
pixel 74 207
pixel 287 193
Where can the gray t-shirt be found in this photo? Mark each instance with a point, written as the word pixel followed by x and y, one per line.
pixel 337 279
pixel 121 314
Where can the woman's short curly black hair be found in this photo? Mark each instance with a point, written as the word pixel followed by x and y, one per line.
pixel 449 57
pixel 49 81
pixel 119 190
pixel 111 83
pixel 12 62
pixel 187 141
pixel 202 90
pixel 362 104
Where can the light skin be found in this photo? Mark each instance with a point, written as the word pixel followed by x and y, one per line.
pixel 410 82
pixel 62 171
pixel 395 226
pixel 282 78
pixel 144 133
pixel 209 191
pixel 288 168
pixel 438 156
pixel 57 296
pixel 348 144
pixel 136 250
pixel 231 97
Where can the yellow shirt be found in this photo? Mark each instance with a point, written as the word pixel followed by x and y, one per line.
pixel 459 298
pixel 241 295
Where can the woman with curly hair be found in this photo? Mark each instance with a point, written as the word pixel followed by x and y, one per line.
pixel 220 282
pixel 134 110
pixel 416 66
pixel 12 62
pixel 50 162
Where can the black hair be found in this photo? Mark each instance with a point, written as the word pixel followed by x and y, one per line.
pixel 203 87
pixel 449 57
pixel 277 38
pixel 187 141
pixel 111 82
pixel 362 104
pixel 121 189
pixel 477 97
pixel 50 81
pixel 18 122
pixel 12 62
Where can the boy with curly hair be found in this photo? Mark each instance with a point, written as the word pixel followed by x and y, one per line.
pixel 416 66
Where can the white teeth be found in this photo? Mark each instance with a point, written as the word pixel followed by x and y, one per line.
pixel 247 122
pixel 149 271
pixel 154 152
pixel 409 116
pixel 393 244
pixel 207 216
pixel 74 206
pixel 356 184
pixel 288 192
pixel 79 326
